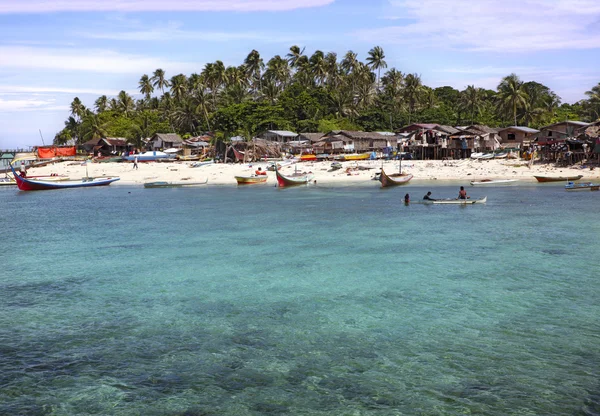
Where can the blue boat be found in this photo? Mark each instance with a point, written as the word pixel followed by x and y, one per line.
pixel 149 156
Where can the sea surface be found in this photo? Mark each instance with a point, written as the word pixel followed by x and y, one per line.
pixel 301 301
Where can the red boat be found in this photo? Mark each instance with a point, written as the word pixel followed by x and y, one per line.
pixel 27 184
pixel 295 179
pixel 395 179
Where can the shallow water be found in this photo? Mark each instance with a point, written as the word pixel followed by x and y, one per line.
pixel 304 301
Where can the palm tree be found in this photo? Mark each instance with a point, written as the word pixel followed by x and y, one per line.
pixel 471 101
pixel 200 97
pixel 146 86
pixel 349 62
pixel 551 103
pixel 412 92
pixel 294 56
pixel 376 60
pixel 92 128
pixel 254 66
pixel 101 103
pixel 159 80
pixel 317 65
pixel 593 102
pixel 179 87
pixel 125 103
pixel 77 108
pixel 511 95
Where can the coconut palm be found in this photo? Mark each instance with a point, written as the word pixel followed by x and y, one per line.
pixel 412 92
pixel 179 87
pixel 471 101
pixel 349 62
pixel 125 104
pixel 159 80
pixel 511 96
pixel 254 65
pixel 294 56
pixel 77 108
pixel 376 60
pixel 593 101
pixel 317 65
pixel 201 100
pixel 146 86
pixel 101 103
pixel 92 128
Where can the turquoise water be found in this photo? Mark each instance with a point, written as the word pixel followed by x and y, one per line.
pixel 301 301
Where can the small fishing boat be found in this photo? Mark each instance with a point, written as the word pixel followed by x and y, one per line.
pixel 296 178
pixel 494 182
pixel 177 184
pixel 27 184
pixel 8 182
pixel 476 155
pixel 202 163
pixel 557 178
pixel 188 158
pixel 394 179
pixel 486 156
pixel 453 201
pixel 356 156
pixel 309 157
pixel 149 156
pixel 251 180
pixel 586 186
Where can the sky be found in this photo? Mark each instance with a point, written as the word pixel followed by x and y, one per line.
pixel 54 50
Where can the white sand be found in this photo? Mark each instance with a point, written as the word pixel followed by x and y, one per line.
pixel 223 174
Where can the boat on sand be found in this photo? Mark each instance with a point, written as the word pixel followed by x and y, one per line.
pixel 27 184
pixel 557 178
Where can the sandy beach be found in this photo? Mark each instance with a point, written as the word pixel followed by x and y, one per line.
pixel 351 173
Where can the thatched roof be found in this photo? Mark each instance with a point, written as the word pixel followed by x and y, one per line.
pixel 592 131
pixel 312 137
pixel 482 128
pixel 447 129
pixel 357 135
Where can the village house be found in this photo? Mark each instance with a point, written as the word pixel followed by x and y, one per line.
pixel 281 136
pixel 560 131
pixel 107 146
pixel 361 141
pixel 428 141
pixel 515 136
pixel 310 137
pixel 165 141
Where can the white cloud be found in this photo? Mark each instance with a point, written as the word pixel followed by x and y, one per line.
pixel 491 25
pixel 92 60
pixel 45 6
pixel 18 105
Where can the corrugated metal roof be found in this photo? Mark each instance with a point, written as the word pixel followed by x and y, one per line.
pixel 520 128
pixel 284 133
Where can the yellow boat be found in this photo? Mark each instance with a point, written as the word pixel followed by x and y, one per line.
pixel 357 156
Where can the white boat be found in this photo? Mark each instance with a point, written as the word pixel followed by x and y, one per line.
pixel 494 182
pixel 476 155
pixel 453 201
pixel 202 163
pixel 149 156
pixel 501 155
pixel 176 184
pixel 486 156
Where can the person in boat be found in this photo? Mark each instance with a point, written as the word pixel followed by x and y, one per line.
pixel 428 197
pixel 23 170
pixel 406 198
pixel 259 171
pixel 462 194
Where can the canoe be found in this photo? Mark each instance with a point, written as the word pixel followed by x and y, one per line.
pixel 251 180
pixel 308 158
pixel 557 178
pixel 149 156
pixel 294 179
pixel 179 184
pixel 395 179
pixel 494 182
pixel 586 186
pixel 476 155
pixel 8 182
pixel 356 156
pixel 202 163
pixel 453 201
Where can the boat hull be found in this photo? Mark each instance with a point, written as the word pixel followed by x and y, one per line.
pixel 574 187
pixel 251 180
pixel 454 201
pixel 283 181
pixel 360 156
pixel 396 179
pixel 557 178
pixel 494 182
pixel 161 184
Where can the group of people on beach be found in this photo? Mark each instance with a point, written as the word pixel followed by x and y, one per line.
pixel 462 194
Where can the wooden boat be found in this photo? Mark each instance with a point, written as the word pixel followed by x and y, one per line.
pixel 494 182
pixel 202 163
pixel 395 179
pixel 586 186
pixel 178 184
pixel 8 182
pixel 308 158
pixel 26 184
pixel 356 156
pixel 188 158
pixel 294 179
pixel 149 156
pixel 557 178
pixel 239 156
pixel 251 180
pixel 453 201
pixel 476 155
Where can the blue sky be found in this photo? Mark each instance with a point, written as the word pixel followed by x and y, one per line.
pixel 52 51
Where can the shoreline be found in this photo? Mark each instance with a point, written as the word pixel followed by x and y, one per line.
pixel 427 172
